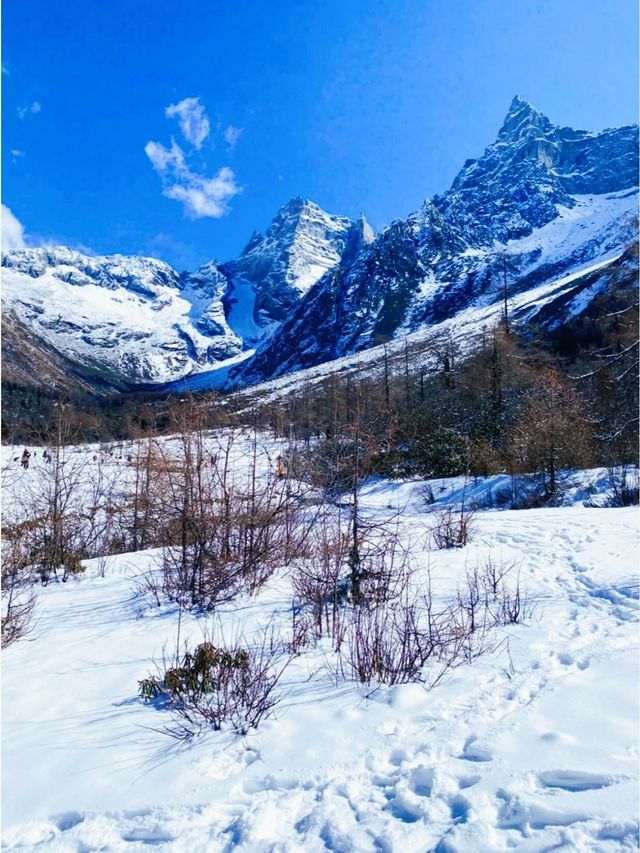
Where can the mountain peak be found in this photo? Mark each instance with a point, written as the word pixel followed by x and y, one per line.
pixel 519 103
pixel 521 118
pixel 296 204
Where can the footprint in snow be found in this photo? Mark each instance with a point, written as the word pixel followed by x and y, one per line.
pixel 576 780
pixel 467 782
pixel 568 660
pixel 421 780
pixel 67 820
pixel 460 807
pixel 475 751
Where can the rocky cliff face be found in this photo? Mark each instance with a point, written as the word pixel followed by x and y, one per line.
pixel 540 202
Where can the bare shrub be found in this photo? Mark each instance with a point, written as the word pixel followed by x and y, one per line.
pixel 486 600
pixel 323 581
pixel 226 527
pixel 388 645
pixel 318 581
pixel 211 687
pixel 409 640
pixel 451 527
pixel 508 603
pixel 141 516
pixel 64 507
pixel 18 600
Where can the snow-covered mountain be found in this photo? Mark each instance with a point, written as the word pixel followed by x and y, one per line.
pixel 137 321
pixel 541 202
pixel 277 268
pixel 130 317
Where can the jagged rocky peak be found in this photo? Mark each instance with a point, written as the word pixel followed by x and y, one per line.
pixel 523 120
pixel 301 239
pixel 299 246
pixel 532 170
pixel 556 198
pixel 366 234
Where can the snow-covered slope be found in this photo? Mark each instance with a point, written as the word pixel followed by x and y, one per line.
pixel 542 201
pixel 136 320
pixel 127 316
pixel 532 747
pixel 547 305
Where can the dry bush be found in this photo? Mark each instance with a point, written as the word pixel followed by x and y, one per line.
pixel 18 600
pixel 319 583
pixel 65 509
pixel 452 528
pixel 225 532
pixel 389 644
pixel 323 581
pixel 140 516
pixel 506 600
pixel 408 640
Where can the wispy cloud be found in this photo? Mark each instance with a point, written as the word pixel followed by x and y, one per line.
pixel 17 154
pixel 31 109
pixel 194 122
pixel 232 135
pixel 15 236
pixel 12 231
pixel 164 159
pixel 201 195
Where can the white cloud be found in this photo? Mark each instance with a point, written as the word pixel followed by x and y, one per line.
pixel 232 135
pixel 12 231
pixel 200 195
pixel 194 122
pixel 31 109
pixel 203 196
pixel 165 159
pixel 16 153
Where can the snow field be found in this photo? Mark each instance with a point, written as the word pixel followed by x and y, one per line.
pixel 533 747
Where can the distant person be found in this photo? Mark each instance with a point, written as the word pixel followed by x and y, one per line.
pixel 281 467
pixel 25 459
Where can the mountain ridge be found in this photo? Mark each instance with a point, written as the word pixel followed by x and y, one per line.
pixel 442 258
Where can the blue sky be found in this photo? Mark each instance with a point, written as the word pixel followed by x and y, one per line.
pixel 361 106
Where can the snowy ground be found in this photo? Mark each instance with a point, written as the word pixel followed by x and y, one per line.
pixel 532 748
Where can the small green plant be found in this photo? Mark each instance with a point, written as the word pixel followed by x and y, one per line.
pixel 149 688
pixel 212 686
